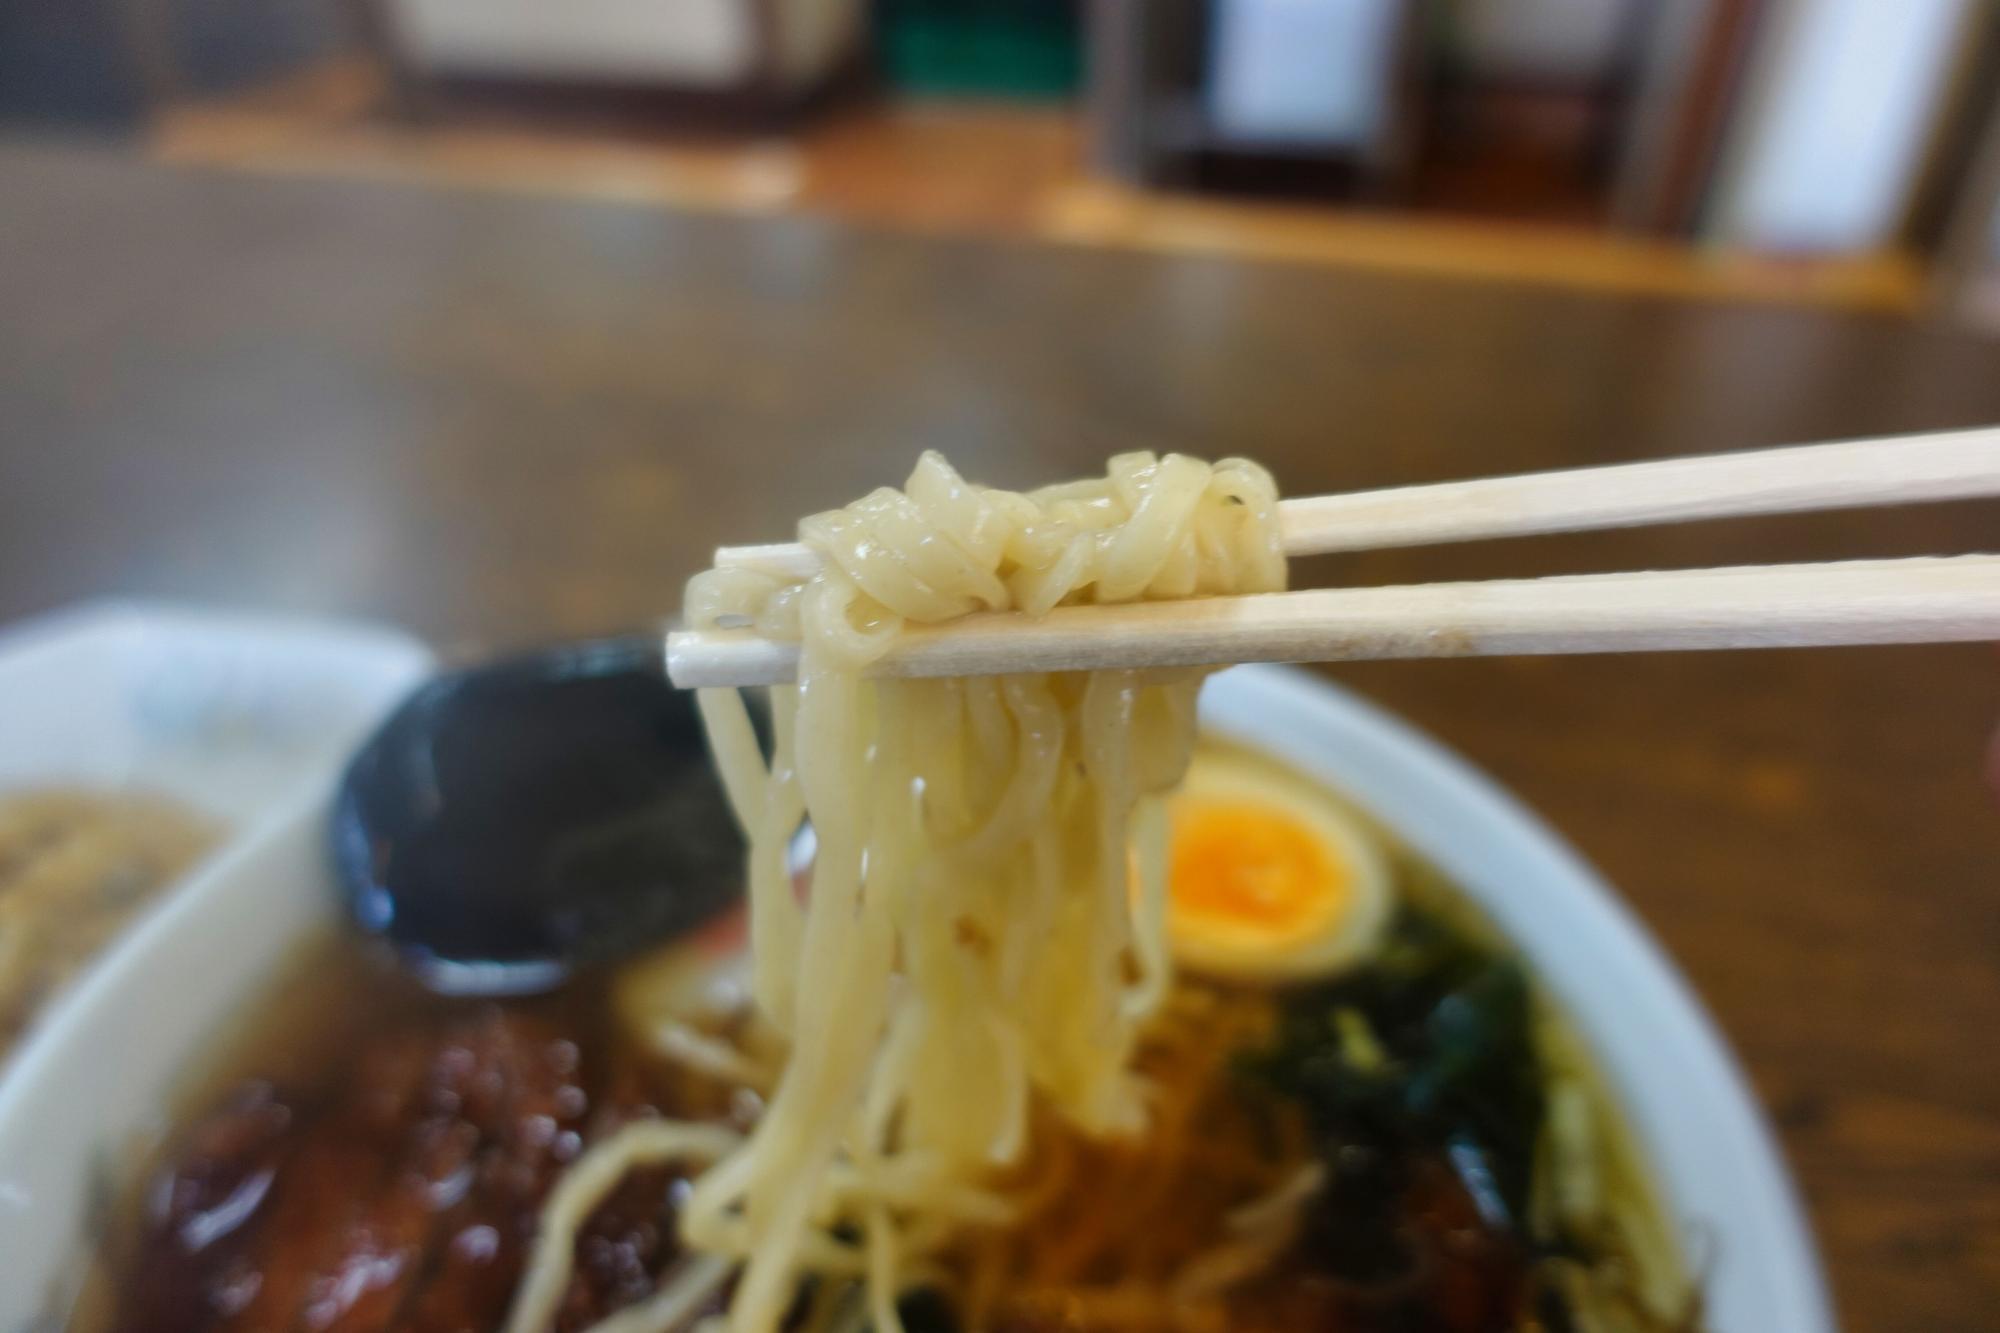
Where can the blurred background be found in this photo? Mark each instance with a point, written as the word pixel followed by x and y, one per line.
pixel 1840 152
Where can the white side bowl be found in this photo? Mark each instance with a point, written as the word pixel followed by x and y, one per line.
pixel 103 1065
pixel 231 712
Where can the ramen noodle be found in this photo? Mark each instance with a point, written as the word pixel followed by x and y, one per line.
pixel 74 867
pixel 973 947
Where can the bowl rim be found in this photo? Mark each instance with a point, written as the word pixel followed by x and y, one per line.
pixel 1684 1097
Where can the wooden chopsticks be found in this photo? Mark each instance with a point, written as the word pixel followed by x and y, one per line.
pixel 1931 600
pixel 1896 469
pixel 1948 599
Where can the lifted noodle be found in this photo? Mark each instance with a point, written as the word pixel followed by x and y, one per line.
pixel 973 939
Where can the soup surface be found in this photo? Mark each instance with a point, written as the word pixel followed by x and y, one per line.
pixel 1411 1144
pixel 374 1156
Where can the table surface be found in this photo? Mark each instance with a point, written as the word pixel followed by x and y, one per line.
pixel 497 419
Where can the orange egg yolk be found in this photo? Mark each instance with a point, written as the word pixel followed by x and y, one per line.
pixel 1250 869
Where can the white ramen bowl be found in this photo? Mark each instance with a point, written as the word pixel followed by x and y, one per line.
pixel 103 1066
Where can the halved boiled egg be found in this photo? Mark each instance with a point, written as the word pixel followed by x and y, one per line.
pixel 1269 877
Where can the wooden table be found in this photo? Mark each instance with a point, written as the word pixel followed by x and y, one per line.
pixel 498 419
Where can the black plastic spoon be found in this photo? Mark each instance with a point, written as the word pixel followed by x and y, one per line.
pixel 512 822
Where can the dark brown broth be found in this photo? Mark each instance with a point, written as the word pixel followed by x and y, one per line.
pixel 367 1155
pixel 295 1090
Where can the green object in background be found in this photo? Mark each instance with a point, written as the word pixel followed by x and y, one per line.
pixel 1000 48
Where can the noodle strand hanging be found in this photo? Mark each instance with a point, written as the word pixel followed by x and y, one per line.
pixel 983 939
